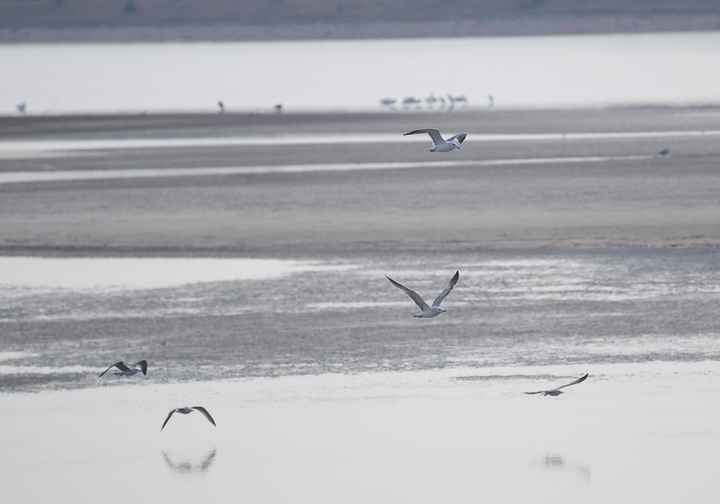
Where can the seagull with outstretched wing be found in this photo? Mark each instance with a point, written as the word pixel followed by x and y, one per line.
pixel 556 391
pixel 439 143
pixel 425 310
pixel 187 410
pixel 124 370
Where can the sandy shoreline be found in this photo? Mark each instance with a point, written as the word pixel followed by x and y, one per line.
pixel 557 192
pixel 507 120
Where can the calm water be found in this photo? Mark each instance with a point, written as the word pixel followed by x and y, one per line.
pixel 630 433
pixel 674 68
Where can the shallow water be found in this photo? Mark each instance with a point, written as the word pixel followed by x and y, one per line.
pixel 204 171
pixel 324 387
pixel 259 317
pixel 629 432
pixel 599 70
pixel 21 149
pixel 107 274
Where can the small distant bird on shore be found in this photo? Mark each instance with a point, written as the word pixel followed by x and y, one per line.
pixel 187 410
pixel 458 99
pixel 410 100
pixel 556 391
pixel 221 107
pixel 124 370
pixel 439 143
pixel 428 311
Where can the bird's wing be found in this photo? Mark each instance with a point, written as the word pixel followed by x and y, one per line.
pixel 143 366
pixel 447 289
pixel 460 137
pixel 205 413
pixel 413 295
pixel 437 139
pixel 169 462
pixel 208 460
pixel 536 392
pixel 120 365
pixel 574 382
pixel 168 418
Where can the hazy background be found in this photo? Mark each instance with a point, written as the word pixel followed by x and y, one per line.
pixel 185 20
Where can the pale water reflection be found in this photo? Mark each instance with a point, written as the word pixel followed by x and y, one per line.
pixel 69 175
pixel 81 274
pixel 28 149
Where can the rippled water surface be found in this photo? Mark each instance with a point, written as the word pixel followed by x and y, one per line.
pixel 235 317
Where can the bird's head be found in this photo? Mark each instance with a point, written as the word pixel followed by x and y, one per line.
pixel 438 310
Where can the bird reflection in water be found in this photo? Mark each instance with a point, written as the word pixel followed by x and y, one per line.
pixel 553 460
pixel 190 463
pixel 557 462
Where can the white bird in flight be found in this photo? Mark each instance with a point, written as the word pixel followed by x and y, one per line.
pixel 428 311
pixel 124 370
pixel 556 391
pixel 189 409
pixel 439 143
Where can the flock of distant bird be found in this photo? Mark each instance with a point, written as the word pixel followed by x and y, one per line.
pixel 426 311
pixel 447 102
pixel 431 100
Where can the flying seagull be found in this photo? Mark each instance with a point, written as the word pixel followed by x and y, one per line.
pixel 439 143
pixel 428 311
pixel 186 410
pixel 124 370
pixel 556 391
